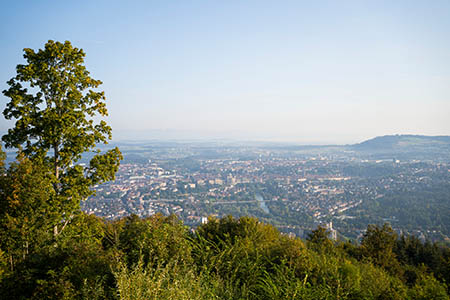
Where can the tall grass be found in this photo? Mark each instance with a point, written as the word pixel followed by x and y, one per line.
pixel 170 281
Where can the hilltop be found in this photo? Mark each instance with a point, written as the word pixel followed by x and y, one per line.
pixel 405 147
pixel 404 142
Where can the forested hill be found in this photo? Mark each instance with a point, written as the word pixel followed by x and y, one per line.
pixel 405 147
pixel 405 143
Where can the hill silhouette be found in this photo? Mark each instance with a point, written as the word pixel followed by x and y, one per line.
pixel 404 142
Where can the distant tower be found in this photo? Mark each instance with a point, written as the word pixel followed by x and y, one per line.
pixel 333 233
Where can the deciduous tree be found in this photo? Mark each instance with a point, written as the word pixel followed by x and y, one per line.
pixel 57 112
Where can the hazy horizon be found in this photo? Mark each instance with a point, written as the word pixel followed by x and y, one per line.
pixel 285 71
pixel 188 136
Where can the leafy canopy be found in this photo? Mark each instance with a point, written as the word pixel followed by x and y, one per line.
pixel 56 111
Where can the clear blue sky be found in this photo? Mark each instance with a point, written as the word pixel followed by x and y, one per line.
pixel 299 71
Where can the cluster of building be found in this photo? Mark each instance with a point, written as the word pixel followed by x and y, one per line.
pixel 321 187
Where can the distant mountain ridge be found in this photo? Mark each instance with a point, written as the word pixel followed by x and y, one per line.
pixel 403 142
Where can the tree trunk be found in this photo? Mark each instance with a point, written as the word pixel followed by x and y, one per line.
pixel 56 185
pixel 11 262
pixel 56 162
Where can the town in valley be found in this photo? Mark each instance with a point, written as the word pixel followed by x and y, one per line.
pixel 295 188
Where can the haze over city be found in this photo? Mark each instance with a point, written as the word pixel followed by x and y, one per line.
pixel 291 71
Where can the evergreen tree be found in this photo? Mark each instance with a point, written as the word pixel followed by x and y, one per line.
pixel 378 246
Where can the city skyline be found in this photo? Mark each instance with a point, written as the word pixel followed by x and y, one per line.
pixel 270 71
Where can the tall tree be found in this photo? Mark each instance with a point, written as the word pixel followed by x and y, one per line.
pixel 57 112
pixel 378 244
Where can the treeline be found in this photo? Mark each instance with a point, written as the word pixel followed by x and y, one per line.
pixel 160 258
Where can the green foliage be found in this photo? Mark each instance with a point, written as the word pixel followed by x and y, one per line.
pixel 427 287
pixel 73 268
pixel 378 245
pixel 3 264
pixel 55 107
pixel 319 240
pixel 157 239
pixel 254 261
pixel 412 252
pixel 376 283
pixel 240 252
pixel 54 104
pixel 157 258
pixel 26 194
pixel 172 281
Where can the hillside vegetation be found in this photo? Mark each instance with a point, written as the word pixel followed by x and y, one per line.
pixel 159 258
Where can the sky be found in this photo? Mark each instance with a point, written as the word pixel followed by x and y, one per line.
pixel 308 72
